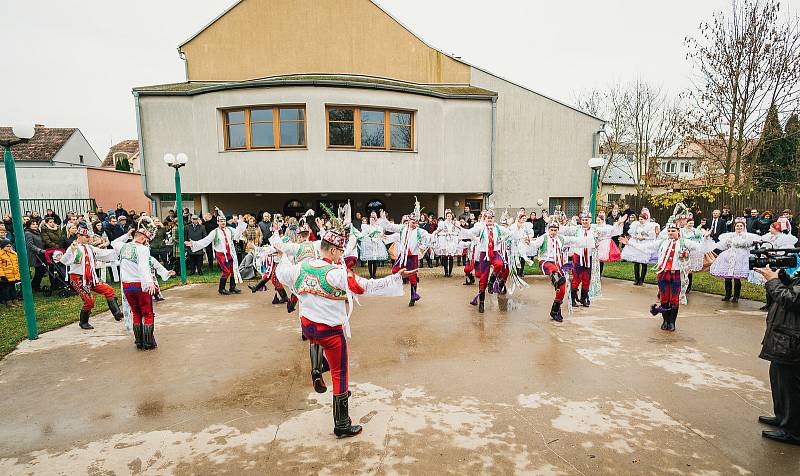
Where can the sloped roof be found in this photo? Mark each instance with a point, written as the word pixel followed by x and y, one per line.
pixel 620 172
pixel 129 146
pixel 43 146
pixel 355 81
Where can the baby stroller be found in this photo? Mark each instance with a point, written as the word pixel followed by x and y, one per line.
pixel 56 273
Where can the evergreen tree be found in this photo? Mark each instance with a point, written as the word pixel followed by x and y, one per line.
pixel 770 171
pixel 792 147
pixel 123 164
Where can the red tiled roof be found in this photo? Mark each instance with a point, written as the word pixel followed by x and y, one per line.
pixel 129 146
pixel 43 146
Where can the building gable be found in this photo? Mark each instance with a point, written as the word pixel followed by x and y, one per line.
pixel 261 38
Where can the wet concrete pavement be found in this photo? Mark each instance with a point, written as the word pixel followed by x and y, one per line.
pixel 438 387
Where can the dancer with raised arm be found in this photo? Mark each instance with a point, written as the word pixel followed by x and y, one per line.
pixel 223 241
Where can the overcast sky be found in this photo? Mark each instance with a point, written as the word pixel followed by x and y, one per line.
pixel 74 63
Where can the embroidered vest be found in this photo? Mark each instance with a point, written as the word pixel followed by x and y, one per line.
pixel 312 280
pixel 543 248
pixel 128 253
pixel 305 251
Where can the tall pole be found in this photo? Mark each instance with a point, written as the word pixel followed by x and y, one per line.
pixel 595 174
pixel 19 243
pixel 179 206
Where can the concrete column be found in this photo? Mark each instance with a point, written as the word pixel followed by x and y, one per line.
pixel 440 205
pixel 156 205
pixel 204 202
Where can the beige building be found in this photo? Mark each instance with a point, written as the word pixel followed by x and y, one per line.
pixel 289 103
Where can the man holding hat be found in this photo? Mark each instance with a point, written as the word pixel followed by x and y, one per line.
pixel 326 289
pixel 223 240
pixel 80 259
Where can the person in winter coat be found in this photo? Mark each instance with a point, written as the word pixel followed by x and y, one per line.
pixel 781 347
pixel 761 226
pixel 51 234
pixel 35 248
pixel 194 231
pixel 9 274
pixel 158 246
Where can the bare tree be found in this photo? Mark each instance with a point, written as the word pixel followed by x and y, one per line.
pixel 644 122
pixel 745 60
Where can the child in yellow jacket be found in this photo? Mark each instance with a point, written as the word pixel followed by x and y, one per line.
pixel 9 274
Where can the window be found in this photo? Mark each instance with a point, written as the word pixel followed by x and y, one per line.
pixel 80 157
pixel 369 128
pixel 686 167
pixel 570 206
pixel 614 197
pixel 669 167
pixel 265 127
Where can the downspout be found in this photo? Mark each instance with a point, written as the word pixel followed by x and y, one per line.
pixel 142 163
pixel 182 56
pixel 492 152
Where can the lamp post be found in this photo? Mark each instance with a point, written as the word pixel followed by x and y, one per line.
pixel 176 162
pixel 595 163
pixel 21 134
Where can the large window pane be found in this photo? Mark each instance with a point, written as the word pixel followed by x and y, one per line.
pixel 237 136
pixel 292 114
pixel 262 134
pixel 372 135
pixel 372 116
pixel 261 115
pixel 235 117
pixel 401 118
pixel 401 137
pixel 341 133
pixel 339 114
pixel 292 133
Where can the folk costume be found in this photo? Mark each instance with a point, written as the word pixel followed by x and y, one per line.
pixel 138 284
pixel 641 232
pixel 447 244
pixel 371 247
pixel 585 263
pixel 223 241
pixel 410 245
pixel 733 262
pixel 696 259
pixel 550 249
pixel 81 262
pixel 326 291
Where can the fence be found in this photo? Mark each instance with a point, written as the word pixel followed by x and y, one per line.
pixel 58 205
pixel 702 207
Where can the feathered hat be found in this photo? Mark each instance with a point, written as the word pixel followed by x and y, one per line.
pixel 417 211
pixel 339 232
pixel 83 230
pixel 488 213
pixel 741 220
pixel 146 227
pixel 585 213
pixel 505 217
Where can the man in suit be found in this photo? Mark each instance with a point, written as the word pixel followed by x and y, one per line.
pixel 716 224
pixel 727 217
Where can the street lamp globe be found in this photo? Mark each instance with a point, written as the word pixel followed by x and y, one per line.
pixel 169 159
pixel 595 163
pixel 181 159
pixel 25 131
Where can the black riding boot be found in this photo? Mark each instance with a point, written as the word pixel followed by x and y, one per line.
pixel 137 335
pixel 283 295
pixel 148 339
pixel 585 298
pixel 490 287
pixel 555 312
pixel 728 286
pixel 636 274
pixel 450 262
pixel 232 288
pixel 481 300
pixel 644 274
pixel 469 279
pixel 673 316
pixel 689 286
pixel 737 289
pixel 342 424
pixel 573 294
pixel 259 286
pixel 83 323
pixel 318 363
pixel 114 308
pixel 222 289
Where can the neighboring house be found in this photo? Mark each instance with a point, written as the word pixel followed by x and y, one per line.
pixel 127 150
pixel 620 177
pixel 275 117
pixel 59 165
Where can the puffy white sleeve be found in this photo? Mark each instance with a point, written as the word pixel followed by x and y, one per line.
pixel 103 254
pixel 287 273
pixel 391 227
pixel 119 242
pixel 68 257
pixel 389 286
pixel 161 271
pixel 239 231
pixel 200 244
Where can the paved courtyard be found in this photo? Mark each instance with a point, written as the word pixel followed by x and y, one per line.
pixel 438 388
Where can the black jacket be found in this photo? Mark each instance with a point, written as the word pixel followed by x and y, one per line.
pixel 35 246
pixel 114 231
pixel 195 233
pixel 781 342
pixel 266 230
pixel 717 228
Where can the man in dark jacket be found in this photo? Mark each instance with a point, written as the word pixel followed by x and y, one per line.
pixel 781 347
pixel 716 224
pixel 113 229
pixel 194 231
pixel 35 247
pixel 727 217
pixel 265 225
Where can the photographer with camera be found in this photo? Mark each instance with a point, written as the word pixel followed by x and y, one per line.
pixel 781 346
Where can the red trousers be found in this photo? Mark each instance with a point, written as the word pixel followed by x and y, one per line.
pixel 412 263
pixel 141 303
pixel 482 269
pixel 76 283
pixel 335 347
pixel 581 276
pixel 548 268
pixel 225 262
pixel 669 287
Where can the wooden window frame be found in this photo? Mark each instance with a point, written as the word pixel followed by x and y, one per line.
pixel 387 128
pixel 276 127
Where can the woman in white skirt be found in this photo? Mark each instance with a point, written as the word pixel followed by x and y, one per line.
pixel 733 263
pixel 371 246
pixel 777 238
pixel 447 242
pixel 690 233
pixel 641 232
pixel 607 250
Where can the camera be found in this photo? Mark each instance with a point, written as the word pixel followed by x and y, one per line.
pixel 782 258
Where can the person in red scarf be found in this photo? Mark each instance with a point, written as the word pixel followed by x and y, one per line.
pixel 80 259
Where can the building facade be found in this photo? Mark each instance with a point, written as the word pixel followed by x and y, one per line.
pixel 377 117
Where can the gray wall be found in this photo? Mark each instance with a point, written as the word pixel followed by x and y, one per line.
pixel 453 145
pixel 76 146
pixel 542 146
pixel 49 182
